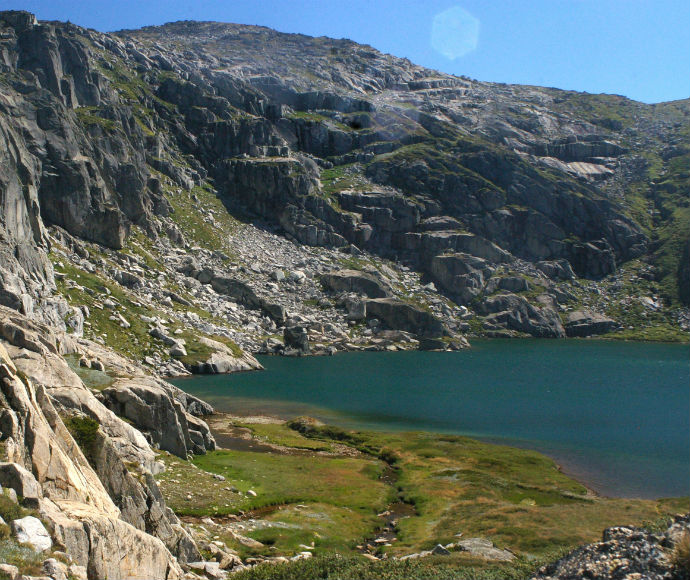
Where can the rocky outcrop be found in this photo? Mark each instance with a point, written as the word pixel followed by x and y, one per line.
pixel 515 313
pixel 223 359
pixel 400 315
pixel 556 269
pixel 83 485
pixel 356 281
pixel 151 409
pixel 297 338
pixel 624 552
pixel 586 323
pixel 463 276
pixel 30 530
pixel 72 500
pixel 363 152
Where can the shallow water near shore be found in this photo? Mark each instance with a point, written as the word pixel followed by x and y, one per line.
pixel 615 415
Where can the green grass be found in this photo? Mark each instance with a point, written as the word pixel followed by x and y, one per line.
pixel 134 341
pixel 25 558
pixel 518 498
pixel 341 178
pixel 141 246
pixel 335 566
pixel 88 117
pixel 324 527
pixel 280 434
pixel 84 430
pixel 277 479
pixel 10 510
pixel 665 332
pixel 191 221
pixel 280 479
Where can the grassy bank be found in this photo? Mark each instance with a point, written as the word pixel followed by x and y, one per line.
pixel 322 488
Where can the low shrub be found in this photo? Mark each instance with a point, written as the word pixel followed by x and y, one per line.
pixel 84 430
pixel 680 557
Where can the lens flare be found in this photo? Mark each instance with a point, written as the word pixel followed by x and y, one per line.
pixel 454 32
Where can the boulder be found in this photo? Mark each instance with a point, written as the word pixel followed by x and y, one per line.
pixel 152 409
pixel 296 337
pixel 222 359
pixel 484 548
pixel 54 569
pixel 556 269
pixel 460 275
pixel 178 350
pixel 30 530
pixel 355 281
pixel 593 259
pixel 587 323
pixel 440 550
pixel 356 308
pixel 516 313
pixel 509 284
pixel 23 482
pixel 9 571
pixel 400 315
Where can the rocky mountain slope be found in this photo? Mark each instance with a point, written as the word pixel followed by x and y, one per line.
pixel 176 199
pixel 158 157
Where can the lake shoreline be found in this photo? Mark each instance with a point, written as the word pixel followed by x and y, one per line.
pixel 609 413
pixel 273 419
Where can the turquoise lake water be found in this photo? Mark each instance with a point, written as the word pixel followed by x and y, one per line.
pixel 615 415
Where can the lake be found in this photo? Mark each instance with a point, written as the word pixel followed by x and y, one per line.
pixel 615 415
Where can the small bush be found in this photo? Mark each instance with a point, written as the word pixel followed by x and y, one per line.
pixel 680 557
pixel 4 531
pixel 10 511
pixel 84 430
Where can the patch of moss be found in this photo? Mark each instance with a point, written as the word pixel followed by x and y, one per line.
pixel 84 430
pixel 88 117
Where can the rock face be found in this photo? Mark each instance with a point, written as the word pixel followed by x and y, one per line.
pixel 463 276
pixel 108 519
pixel 95 128
pixel 151 408
pixel 296 337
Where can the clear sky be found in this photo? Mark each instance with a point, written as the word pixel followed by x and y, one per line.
pixel 636 48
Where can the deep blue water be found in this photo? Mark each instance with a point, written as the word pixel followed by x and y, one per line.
pixel 615 415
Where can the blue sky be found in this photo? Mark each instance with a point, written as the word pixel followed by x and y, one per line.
pixel 636 48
